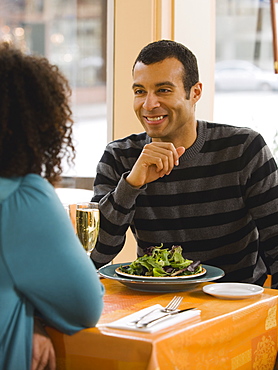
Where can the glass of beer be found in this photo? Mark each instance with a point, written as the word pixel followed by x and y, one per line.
pixel 87 224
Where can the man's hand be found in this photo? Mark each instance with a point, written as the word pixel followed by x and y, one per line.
pixel 43 356
pixel 157 159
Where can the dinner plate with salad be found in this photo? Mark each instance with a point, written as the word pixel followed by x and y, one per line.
pixel 162 270
pixel 161 263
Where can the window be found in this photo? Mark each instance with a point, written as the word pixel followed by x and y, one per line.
pixel 246 87
pixel 72 35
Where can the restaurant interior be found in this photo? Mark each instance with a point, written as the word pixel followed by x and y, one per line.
pixel 95 43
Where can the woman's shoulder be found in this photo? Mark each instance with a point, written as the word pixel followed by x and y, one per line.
pixel 30 182
pixel 28 189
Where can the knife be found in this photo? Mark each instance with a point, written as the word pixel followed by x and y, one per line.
pixel 160 318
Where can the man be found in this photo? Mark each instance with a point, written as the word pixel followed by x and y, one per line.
pixel 208 187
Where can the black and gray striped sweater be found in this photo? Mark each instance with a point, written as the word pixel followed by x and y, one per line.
pixel 220 204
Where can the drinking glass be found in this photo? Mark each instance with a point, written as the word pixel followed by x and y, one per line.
pixel 87 224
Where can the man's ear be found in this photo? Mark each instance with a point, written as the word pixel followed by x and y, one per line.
pixel 196 92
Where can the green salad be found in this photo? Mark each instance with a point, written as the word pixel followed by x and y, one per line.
pixel 158 261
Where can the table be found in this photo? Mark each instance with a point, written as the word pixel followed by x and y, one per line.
pixel 230 334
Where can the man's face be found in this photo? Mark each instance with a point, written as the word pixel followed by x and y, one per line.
pixel 160 99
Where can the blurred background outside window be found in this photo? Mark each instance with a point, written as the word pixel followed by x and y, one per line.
pixel 246 87
pixel 72 35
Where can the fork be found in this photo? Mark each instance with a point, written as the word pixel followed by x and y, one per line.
pixel 173 304
pixel 158 319
pixel 171 307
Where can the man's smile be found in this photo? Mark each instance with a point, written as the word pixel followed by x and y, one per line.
pixel 156 119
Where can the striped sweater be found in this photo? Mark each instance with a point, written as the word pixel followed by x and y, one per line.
pixel 220 203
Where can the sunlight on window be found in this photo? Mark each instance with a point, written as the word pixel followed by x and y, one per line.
pixel 72 35
pixel 246 87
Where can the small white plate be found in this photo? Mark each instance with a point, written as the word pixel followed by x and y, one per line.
pixel 233 290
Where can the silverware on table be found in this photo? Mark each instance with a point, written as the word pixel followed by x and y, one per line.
pixel 146 324
pixel 171 307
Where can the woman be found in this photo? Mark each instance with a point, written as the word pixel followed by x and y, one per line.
pixel 44 271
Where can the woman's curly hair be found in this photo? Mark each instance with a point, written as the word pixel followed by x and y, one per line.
pixel 35 117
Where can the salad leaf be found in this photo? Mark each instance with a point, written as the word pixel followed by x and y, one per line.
pixel 158 261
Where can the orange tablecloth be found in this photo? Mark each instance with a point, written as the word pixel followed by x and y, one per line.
pixel 230 334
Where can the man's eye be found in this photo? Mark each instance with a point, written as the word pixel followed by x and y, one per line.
pixel 138 92
pixel 164 90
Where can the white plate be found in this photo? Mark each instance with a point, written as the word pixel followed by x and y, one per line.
pixel 233 290
pixel 119 272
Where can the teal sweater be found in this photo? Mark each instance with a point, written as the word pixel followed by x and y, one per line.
pixel 220 204
pixel 43 269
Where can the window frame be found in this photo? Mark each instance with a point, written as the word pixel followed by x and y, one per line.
pixel 274 21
